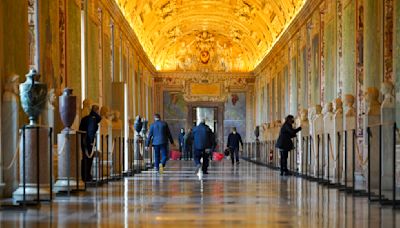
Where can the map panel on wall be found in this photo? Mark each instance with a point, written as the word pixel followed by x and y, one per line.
pixel 175 112
pixel 235 114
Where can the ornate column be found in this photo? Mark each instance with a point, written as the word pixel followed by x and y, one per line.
pixel 9 135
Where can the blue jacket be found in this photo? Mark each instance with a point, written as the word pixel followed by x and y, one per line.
pixel 159 133
pixel 202 137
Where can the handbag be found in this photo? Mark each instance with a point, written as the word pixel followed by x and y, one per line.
pixel 227 151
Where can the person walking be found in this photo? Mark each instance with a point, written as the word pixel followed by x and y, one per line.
pixel 202 141
pixel 89 124
pixel 159 134
pixel 234 139
pixel 188 144
pixel 181 142
pixel 284 142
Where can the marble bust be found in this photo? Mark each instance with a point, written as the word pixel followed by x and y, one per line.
pixel 349 103
pixel 87 106
pixel 116 122
pixel 338 106
pixel 387 89
pixel 373 106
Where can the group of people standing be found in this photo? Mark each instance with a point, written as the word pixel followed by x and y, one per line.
pixel 199 142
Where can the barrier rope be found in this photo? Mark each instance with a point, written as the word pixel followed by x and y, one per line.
pixel 16 153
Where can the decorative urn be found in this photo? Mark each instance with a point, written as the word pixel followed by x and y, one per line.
pixel 67 108
pixel 33 96
pixel 138 124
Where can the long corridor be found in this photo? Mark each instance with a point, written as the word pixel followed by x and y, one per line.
pixel 245 196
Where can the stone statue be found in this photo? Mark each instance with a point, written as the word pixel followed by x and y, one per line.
pixel 373 106
pixel 328 108
pixel 387 89
pixel 87 106
pixel 116 124
pixel 9 134
pixel 338 106
pixel 349 102
pixel 304 116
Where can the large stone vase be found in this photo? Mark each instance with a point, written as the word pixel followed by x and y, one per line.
pixel 33 96
pixel 67 108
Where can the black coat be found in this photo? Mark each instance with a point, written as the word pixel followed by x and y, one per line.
pixel 234 140
pixel 286 134
pixel 89 124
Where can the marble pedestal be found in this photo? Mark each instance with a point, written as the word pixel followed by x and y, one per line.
pixel 373 122
pixel 336 164
pixel 69 160
pixel 347 158
pixel 317 148
pixel 117 154
pixel 32 139
pixel 388 116
pixel 328 140
pixel 303 148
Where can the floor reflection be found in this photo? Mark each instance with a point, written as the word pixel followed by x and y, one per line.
pixel 243 196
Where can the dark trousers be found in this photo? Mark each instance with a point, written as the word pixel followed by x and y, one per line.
pixel 284 156
pixel 188 152
pixel 160 150
pixel 234 155
pixel 86 164
pixel 198 154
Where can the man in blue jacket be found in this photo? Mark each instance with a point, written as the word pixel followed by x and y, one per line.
pixel 202 141
pixel 160 134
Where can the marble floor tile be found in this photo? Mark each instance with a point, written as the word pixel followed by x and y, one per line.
pixel 242 196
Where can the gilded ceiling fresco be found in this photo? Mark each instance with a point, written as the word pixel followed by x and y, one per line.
pixel 208 35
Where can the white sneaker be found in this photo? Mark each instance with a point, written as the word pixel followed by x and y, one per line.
pixel 200 174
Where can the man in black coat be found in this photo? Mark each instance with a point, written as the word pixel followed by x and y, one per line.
pixel 89 124
pixel 234 139
pixel 284 142
pixel 188 144
pixel 181 141
pixel 202 141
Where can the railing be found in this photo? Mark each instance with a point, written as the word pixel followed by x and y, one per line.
pixel 334 160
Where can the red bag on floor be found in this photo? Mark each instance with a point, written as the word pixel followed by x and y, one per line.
pixel 175 155
pixel 218 156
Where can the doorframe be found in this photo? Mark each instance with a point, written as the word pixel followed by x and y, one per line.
pixel 220 117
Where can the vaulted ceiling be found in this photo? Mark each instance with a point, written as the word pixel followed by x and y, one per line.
pixel 208 35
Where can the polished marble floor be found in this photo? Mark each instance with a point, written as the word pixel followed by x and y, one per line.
pixel 243 196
